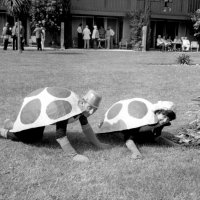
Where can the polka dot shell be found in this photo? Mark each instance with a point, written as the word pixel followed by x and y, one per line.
pixel 128 114
pixel 46 106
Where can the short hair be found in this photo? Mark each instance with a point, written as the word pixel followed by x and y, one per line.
pixel 169 113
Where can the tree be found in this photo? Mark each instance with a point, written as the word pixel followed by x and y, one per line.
pixel 195 17
pixel 50 13
pixel 137 20
pixel 18 9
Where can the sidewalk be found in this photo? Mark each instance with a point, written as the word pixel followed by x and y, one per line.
pixel 34 48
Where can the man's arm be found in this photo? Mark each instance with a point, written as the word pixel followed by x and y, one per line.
pixel 87 130
pixel 62 139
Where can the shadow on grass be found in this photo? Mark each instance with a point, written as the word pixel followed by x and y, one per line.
pixel 81 144
pixel 64 53
pixel 116 138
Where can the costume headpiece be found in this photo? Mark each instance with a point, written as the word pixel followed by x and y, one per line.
pixel 93 98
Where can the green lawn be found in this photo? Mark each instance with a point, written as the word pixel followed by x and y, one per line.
pixel 43 172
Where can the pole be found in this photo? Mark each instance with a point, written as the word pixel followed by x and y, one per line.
pixel 18 37
pixel 144 38
pixel 62 36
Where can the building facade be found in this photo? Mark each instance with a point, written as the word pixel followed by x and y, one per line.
pixel 167 17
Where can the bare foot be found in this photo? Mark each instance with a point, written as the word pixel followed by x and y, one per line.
pixel 137 156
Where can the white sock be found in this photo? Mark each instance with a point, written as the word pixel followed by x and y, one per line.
pixel 3 132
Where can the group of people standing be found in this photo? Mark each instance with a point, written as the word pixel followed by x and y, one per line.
pixel 13 32
pixel 95 37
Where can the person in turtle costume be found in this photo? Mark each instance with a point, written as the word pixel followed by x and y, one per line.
pixel 54 106
pixel 139 120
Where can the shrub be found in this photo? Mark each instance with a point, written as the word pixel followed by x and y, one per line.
pixel 184 59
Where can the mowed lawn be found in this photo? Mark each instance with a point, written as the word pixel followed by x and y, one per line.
pixel 43 172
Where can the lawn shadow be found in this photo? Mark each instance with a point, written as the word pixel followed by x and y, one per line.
pixel 113 138
pixel 64 53
pixel 78 141
pixel 116 138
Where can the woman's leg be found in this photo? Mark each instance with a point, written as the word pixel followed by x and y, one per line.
pixel 133 148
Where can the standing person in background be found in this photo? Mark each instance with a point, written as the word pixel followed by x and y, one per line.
pixel 38 34
pixel 108 38
pixel 80 36
pixel 95 36
pixel 14 36
pixel 6 34
pixel 112 33
pixel 86 37
pixel 43 37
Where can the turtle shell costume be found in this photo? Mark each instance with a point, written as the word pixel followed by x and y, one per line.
pixel 128 114
pixel 47 106
pixel 135 118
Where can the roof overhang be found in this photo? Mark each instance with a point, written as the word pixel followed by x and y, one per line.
pixel 95 13
pixel 168 16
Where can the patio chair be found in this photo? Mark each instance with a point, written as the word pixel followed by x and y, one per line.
pixel 123 44
pixel 32 41
pixel 194 45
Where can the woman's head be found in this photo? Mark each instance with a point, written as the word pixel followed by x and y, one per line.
pixel 165 116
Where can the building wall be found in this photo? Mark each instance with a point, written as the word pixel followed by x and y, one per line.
pixel 102 7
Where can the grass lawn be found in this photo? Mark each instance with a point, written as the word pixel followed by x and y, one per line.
pixel 43 172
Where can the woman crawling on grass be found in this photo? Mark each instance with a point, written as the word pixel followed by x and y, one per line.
pixel 54 106
pixel 139 121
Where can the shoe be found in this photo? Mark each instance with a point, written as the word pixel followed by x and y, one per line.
pixel 8 124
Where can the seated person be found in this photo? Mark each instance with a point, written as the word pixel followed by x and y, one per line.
pixel 139 119
pixel 166 42
pixel 185 44
pixel 177 43
pixel 160 43
pixel 169 43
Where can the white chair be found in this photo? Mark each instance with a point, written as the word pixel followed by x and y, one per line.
pixel 123 44
pixel 32 41
pixel 194 45
pixel 185 44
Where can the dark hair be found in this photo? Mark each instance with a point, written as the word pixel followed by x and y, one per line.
pixel 169 113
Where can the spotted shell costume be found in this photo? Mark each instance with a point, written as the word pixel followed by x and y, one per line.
pixel 128 114
pixel 46 106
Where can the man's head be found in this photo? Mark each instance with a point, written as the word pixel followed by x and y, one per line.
pixel 90 102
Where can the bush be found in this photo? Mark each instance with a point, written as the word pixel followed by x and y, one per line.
pixel 184 59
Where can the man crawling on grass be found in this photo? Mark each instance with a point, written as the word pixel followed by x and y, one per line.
pixel 54 106
pixel 139 121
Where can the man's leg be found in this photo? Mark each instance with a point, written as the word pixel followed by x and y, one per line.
pixel 84 44
pixel 164 141
pixel 14 41
pixel 5 44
